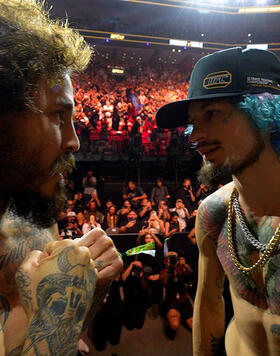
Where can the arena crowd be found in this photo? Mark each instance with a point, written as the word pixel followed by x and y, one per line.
pixel 119 113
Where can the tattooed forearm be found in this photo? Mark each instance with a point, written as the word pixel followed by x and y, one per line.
pixel 62 303
pixel 216 346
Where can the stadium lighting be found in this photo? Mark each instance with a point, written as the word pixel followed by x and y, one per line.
pixel 177 43
pixel 261 2
pixel 257 46
pixel 196 44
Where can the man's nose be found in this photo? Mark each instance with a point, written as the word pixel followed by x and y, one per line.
pixel 198 133
pixel 71 141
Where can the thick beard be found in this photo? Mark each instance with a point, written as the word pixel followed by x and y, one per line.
pixel 212 175
pixel 22 175
pixel 37 209
pixel 20 189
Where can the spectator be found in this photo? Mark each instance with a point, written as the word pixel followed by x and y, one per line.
pixel 186 195
pixel 163 211
pixel 80 220
pixel 123 212
pixel 90 224
pixel 202 192
pixel 154 224
pixel 135 296
pixel 89 184
pixel 71 231
pixel 159 192
pixel 177 279
pixel 79 203
pixel 94 197
pixel 173 225
pixel 182 213
pixel 133 225
pixel 145 210
pixel 92 209
pixel 134 193
pixel 111 220
pixel 152 265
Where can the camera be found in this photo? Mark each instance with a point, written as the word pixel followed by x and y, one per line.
pixel 173 259
pixel 136 270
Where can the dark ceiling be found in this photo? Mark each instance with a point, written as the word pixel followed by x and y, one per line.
pixel 120 16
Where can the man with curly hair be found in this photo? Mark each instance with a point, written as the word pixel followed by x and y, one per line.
pixel 233 108
pixel 46 286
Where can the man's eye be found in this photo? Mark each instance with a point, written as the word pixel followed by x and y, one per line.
pixel 210 113
pixel 59 116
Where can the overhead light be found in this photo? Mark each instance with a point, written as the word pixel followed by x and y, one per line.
pixel 117 36
pixel 196 44
pixel 177 43
pixel 258 46
pixel 259 9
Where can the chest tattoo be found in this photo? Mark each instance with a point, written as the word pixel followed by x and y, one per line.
pixel 261 289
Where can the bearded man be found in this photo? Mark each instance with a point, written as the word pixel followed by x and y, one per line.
pixel 234 109
pixel 46 286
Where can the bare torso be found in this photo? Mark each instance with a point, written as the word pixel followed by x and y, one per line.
pixel 17 239
pixel 255 328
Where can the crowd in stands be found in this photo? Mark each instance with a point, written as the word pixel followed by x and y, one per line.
pixel 161 279
pixel 134 212
pixel 118 116
pixel 113 114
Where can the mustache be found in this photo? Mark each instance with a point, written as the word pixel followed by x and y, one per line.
pixel 64 164
pixel 207 143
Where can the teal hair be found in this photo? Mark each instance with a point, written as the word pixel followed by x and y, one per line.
pixel 264 110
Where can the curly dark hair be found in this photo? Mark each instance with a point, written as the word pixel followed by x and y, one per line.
pixel 33 46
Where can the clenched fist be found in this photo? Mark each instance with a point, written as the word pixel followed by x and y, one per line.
pixel 56 287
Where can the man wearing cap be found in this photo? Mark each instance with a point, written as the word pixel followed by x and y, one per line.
pixel 234 107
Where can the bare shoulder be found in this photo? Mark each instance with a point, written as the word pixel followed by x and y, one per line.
pixel 212 214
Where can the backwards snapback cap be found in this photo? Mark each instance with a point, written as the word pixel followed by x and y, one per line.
pixel 231 72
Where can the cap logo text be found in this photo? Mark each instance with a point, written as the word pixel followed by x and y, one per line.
pixel 263 82
pixel 217 80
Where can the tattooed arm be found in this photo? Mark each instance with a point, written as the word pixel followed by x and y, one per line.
pixel 56 289
pixel 208 326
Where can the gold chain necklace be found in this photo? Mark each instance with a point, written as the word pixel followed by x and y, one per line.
pixel 264 257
